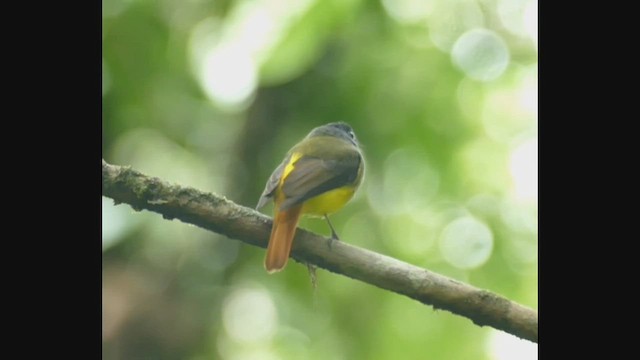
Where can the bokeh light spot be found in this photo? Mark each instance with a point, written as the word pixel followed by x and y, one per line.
pixel 408 11
pixel 521 249
pixel 531 21
pixel 504 346
pixel 466 242
pixel 450 19
pixel 116 222
pixel 408 183
pixel 228 76
pixel 520 17
pixel 481 54
pixel 524 170
pixel 249 316
pixel 510 110
pixel 228 53
pixel 511 14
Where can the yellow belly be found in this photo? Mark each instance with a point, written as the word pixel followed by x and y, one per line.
pixel 329 202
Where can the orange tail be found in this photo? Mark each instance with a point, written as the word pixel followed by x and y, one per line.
pixel 282 232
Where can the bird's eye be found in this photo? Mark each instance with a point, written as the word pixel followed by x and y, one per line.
pixel 352 134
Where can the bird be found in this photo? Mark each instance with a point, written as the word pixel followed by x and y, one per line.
pixel 317 177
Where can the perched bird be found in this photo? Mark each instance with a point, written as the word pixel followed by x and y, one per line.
pixel 317 177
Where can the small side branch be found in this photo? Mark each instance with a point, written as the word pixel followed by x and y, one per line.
pixel 215 213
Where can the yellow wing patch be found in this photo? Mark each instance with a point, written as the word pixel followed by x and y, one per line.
pixel 290 166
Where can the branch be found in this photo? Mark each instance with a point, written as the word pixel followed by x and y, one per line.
pixel 222 216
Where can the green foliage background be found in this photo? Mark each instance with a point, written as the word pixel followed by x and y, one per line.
pixel 211 94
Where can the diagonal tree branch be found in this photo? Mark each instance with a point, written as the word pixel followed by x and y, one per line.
pixel 220 215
